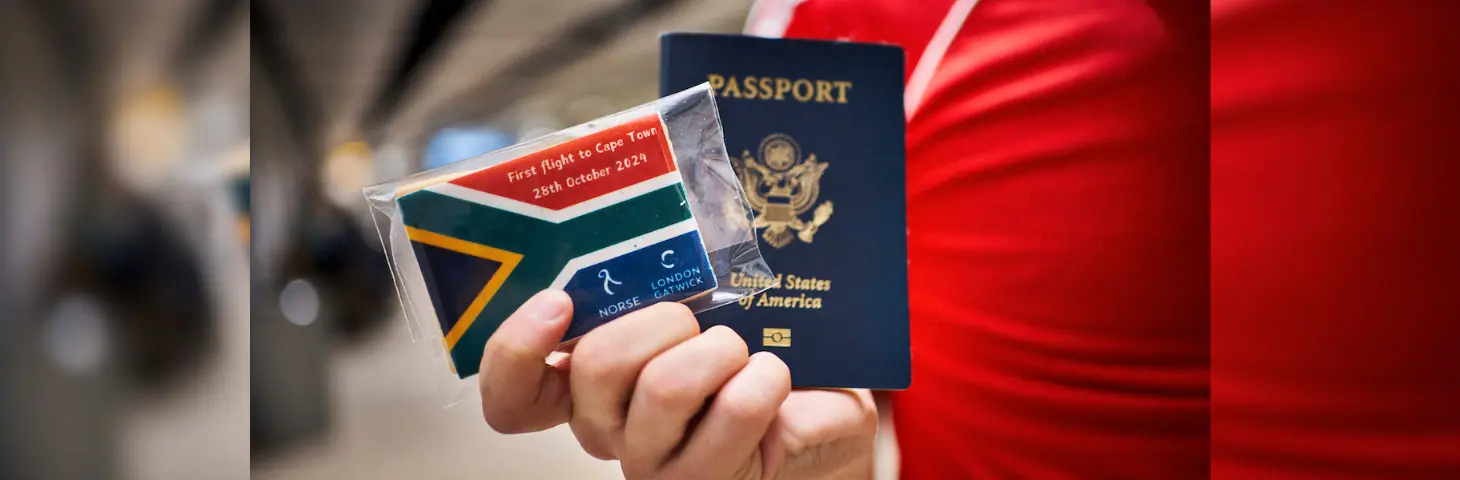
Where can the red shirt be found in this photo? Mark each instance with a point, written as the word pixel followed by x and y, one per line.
pixel 1335 240
pixel 1057 208
pixel 1052 200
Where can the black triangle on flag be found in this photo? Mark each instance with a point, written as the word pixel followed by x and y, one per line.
pixel 454 279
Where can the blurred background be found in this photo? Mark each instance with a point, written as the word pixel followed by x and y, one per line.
pixel 125 148
pixel 353 92
pixel 347 93
pixel 193 286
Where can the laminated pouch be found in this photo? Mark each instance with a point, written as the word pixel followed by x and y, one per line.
pixel 629 210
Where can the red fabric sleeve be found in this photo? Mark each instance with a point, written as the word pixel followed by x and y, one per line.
pixel 1335 240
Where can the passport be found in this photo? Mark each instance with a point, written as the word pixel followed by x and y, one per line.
pixel 815 132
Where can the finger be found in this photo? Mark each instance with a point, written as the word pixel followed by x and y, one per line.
pixel 606 363
pixel 671 390
pixel 520 391
pixel 818 432
pixel 729 437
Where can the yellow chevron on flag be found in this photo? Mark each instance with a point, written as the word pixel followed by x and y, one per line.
pixel 508 260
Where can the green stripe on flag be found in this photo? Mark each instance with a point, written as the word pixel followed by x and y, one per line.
pixel 545 247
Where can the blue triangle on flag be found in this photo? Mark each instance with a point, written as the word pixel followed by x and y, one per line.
pixel 454 279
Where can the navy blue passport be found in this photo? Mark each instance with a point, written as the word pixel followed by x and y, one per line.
pixel 815 130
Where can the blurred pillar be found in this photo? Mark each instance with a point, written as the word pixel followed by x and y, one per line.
pixel 288 348
pixel 58 404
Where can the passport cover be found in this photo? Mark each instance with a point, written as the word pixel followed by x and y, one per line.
pixel 603 217
pixel 815 130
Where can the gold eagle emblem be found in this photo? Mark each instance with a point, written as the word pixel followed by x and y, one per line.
pixel 781 188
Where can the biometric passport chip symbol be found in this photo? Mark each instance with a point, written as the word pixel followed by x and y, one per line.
pixel 776 337
pixel 604 217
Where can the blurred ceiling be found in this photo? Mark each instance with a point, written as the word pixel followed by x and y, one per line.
pixel 393 71
pixel 339 52
pixel 136 44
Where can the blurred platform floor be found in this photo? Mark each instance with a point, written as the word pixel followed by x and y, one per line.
pixel 387 423
pixel 201 428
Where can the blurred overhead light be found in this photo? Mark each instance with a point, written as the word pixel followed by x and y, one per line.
pixel 76 335
pixel 148 136
pixel 347 170
pixel 299 301
pixel 453 144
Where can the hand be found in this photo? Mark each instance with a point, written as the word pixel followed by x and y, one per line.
pixel 669 402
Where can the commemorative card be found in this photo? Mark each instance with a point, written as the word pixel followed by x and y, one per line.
pixel 603 216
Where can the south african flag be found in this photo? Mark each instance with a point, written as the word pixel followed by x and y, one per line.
pixel 604 217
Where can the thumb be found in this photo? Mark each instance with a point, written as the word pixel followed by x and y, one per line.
pixel 822 433
pixel 520 391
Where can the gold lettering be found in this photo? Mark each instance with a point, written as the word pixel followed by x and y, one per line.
pixel 730 89
pixel 716 81
pixel 803 283
pixel 741 280
pixel 841 88
pixel 783 85
pixel 800 301
pixel 823 91
pixel 796 89
pixel 776 88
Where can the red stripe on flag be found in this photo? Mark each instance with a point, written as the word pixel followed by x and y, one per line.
pixel 581 169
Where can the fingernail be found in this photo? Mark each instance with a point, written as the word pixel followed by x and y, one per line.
pixel 548 305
